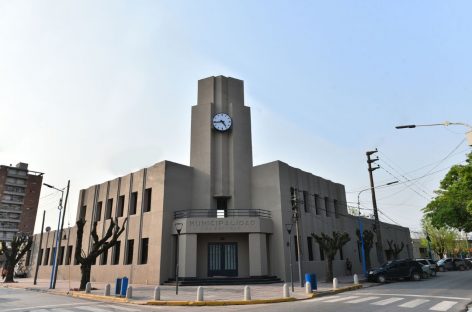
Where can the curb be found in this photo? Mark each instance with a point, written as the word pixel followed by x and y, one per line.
pixel 192 303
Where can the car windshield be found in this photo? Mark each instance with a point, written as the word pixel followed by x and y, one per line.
pixel 442 261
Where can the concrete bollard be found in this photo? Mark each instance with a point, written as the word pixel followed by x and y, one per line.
pixel 308 289
pixel 129 292
pixel 200 293
pixel 107 290
pixel 247 293
pixel 286 292
pixel 157 293
pixel 356 279
pixel 335 283
pixel 88 288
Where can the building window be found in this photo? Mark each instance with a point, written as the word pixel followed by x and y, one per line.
pixel 341 256
pixel 309 241
pixel 144 250
pixel 322 257
pixel 121 206
pixel 28 257
pixel 104 258
pixel 83 209
pixel 147 199
pixel 336 212
pixel 40 257
pixel 98 212
pixel 108 208
pixel 133 203
pixel 295 240
pixel 116 253
pixel 69 255
pixel 129 252
pixel 53 254
pixel 317 204
pixel 293 198
pixel 60 258
pixel 221 207
pixel 305 201
pixel 327 206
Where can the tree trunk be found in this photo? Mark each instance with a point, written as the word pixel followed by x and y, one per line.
pixel 367 260
pixel 329 275
pixel 10 270
pixel 85 270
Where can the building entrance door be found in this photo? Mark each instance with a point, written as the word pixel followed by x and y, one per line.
pixel 222 259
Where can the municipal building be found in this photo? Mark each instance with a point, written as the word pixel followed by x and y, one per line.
pixel 231 215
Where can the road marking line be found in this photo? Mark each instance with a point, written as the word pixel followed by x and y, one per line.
pixel 387 301
pixel 413 303
pixel 40 310
pixel 61 310
pixel 362 299
pixel 443 306
pixel 421 296
pixel 117 307
pixel 45 306
pixel 341 299
pixel 93 309
pixel 320 299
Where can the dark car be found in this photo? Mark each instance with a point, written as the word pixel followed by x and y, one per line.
pixel 449 264
pixel 396 269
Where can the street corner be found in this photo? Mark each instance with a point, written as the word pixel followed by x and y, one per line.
pixel 96 297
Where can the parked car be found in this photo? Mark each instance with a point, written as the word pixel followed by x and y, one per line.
pixel 429 266
pixel 468 263
pixel 450 264
pixel 396 269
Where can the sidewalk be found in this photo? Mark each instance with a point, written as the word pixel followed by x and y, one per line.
pixel 144 293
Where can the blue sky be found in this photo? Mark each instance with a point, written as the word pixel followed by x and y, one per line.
pixel 93 90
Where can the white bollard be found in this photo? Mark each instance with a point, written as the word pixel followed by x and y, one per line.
pixel 88 288
pixel 335 283
pixel 129 292
pixel 308 289
pixel 286 292
pixel 200 293
pixel 107 290
pixel 247 293
pixel 157 293
pixel 356 279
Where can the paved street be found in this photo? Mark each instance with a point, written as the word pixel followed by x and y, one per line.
pixel 450 291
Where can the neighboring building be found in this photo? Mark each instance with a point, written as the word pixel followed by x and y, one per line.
pixel 232 214
pixel 19 198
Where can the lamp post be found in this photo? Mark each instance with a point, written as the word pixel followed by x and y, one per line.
pixel 361 234
pixel 468 134
pixel 60 226
pixel 178 228
pixel 289 227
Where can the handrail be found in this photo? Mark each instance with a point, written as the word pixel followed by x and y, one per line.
pixel 230 213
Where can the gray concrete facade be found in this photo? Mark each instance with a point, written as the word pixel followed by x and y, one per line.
pixel 232 214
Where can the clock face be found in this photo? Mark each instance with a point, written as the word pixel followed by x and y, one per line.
pixel 222 122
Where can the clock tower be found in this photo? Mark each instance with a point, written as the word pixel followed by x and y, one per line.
pixel 221 147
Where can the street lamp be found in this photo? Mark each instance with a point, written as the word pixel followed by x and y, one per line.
pixel 178 228
pixel 361 234
pixel 52 284
pixel 468 134
pixel 289 227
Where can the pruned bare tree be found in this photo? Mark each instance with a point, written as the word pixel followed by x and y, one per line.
pixel 395 248
pixel 98 246
pixel 14 251
pixel 331 246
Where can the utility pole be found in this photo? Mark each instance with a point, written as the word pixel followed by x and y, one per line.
pixel 296 218
pixel 379 248
pixel 38 259
pixel 60 237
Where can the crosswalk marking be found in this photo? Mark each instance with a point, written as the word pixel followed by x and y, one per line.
pixel 341 299
pixel 387 301
pixel 90 308
pixel 320 299
pixel 443 306
pixel 61 310
pixel 39 310
pixel 362 299
pixel 116 307
pixel 413 303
